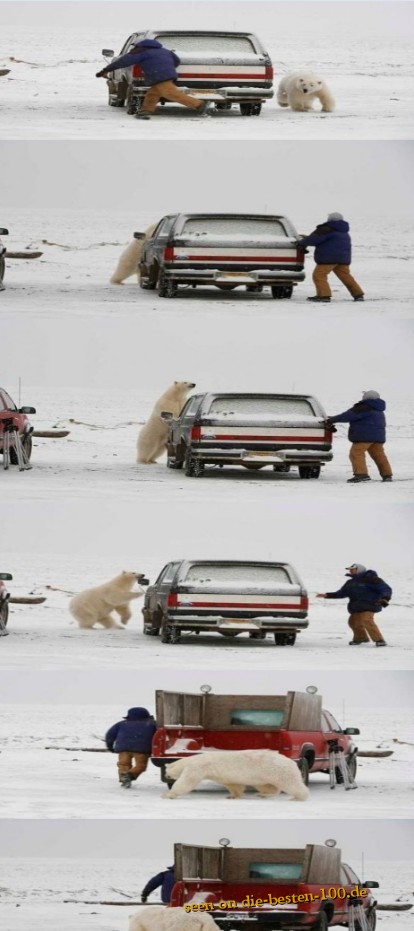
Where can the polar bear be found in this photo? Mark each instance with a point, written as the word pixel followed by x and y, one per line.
pixel 161 918
pixel 298 91
pixel 129 259
pixel 266 770
pixel 95 605
pixel 152 439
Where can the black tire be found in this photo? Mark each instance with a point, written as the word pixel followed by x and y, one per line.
pixel 281 292
pixel 308 472
pixel 322 924
pixel 173 463
pixel 146 284
pixel 224 106
pixel 303 767
pixel 4 615
pixel 285 639
pixel 162 292
pixel 133 104
pixel 171 288
pixel 257 635
pixel 166 634
pixel 175 635
pixel 250 109
pixel 27 447
pixel 150 631
pixel 115 102
pixel 352 767
pixel 282 469
pixel 198 468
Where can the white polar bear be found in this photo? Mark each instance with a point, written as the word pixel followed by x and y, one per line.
pixel 161 918
pixel 152 439
pixel 95 605
pixel 298 91
pixel 129 259
pixel 265 770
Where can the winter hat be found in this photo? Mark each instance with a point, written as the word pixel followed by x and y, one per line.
pixel 335 216
pixel 358 566
pixel 370 396
pixel 137 714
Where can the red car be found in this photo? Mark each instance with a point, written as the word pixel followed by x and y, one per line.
pixel 294 724
pixel 305 888
pixel 9 412
pixel 4 602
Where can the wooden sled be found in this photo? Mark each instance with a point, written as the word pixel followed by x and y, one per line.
pixel 375 753
pixel 26 600
pixel 51 434
pixel 23 255
pixel 394 907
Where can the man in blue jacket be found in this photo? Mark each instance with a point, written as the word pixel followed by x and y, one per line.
pixel 368 594
pixel 166 880
pixel 366 432
pixel 131 739
pixel 333 253
pixel 159 66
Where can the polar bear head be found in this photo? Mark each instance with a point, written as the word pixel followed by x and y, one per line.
pixel 184 385
pixel 128 578
pixel 308 85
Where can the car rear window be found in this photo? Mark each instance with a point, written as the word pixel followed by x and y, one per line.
pixel 272 407
pixel 237 45
pixel 257 718
pixel 248 575
pixel 234 228
pixel 275 870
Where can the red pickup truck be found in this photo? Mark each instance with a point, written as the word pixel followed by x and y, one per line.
pixel 294 724
pixel 302 888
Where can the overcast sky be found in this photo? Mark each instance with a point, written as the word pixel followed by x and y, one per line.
pixel 356 178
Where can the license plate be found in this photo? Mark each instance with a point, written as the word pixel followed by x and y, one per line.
pixel 238 275
pixel 262 454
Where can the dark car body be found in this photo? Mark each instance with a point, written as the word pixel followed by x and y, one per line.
pixel 250 430
pixel 224 67
pixel 225 251
pixel 226 597
pixel 295 725
pixel 11 414
pixel 209 875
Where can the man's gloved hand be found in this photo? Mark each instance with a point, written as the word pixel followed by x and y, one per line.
pixel 384 602
pixel 329 424
pixel 144 898
pixel 100 74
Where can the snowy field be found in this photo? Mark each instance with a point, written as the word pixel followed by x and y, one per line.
pixel 34 892
pixel 64 782
pixel 364 53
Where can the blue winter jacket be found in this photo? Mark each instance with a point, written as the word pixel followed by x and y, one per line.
pixel 332 243
pixel 366 421
pixel 133 733
pixel 166 880
pixel 366 592
pixel 157 62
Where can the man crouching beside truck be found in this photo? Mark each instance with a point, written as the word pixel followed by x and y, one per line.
pixel 159 67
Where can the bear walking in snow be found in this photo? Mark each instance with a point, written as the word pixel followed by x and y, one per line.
pixel 129 259
pixel 96 605
pixel 160 918
pixel 265 770
pixel 299 90
pixel 152 439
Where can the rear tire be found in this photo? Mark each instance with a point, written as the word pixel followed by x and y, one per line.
pixel 281 292
pixel 171 288
pixel 285 639
pixel 308 472
pixel 250 109
pixel 174 463
pixel 133 104
pixel 371 920
pixel 303 767
pixel 166 634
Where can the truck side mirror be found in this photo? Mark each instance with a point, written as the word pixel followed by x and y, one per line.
pixel 5 577
pixel 108 52
pixel 143 582
pixel 139 235
pixel 27 410
pixel 3 231
pixel 370 884
pixel 352 731
pixel 166 415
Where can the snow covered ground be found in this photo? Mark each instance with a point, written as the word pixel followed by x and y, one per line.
pixel 46 775
pixel 34 891
pixel 364 53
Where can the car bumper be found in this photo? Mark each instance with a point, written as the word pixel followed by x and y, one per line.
pixel 230 94
pixel 265 623
pixel 218 277
pixel 262 457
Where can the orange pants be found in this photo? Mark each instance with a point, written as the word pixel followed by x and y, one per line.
pixel 376 451
pixel 132 763
pixel 364 627
pixel 320 280
pixel 169 91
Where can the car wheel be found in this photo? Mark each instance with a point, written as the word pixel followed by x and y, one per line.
pixel 322 923
pixel 150 631
pixel 224 106
pixel 175 635
pixel 280 639
pixel 2 267
pixel 303 767
pixel 174 463
pixel 257 635
pixel 250 109
pixel 277 292
pixel 282 468
pixel 162 292
pixel 309 471
pixel 4 616
pixel 132 104
pixel 166 634
pixel 198 468
pixel 352 767
pixel 27 449
pixel 171 288
pixel 146 284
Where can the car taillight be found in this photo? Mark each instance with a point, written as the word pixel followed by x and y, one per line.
pixel 196 434
pixel 172 601
pixel 304 602
pixel 269 73
pixel 137 71
pixel 169 254
pixel 328 435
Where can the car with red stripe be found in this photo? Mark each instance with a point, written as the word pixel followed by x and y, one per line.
pixel 227 597
pixel 250 430
pixel 225 251
pixel 295 725
pixel 15 418
pixel 262 889
pixel 225 68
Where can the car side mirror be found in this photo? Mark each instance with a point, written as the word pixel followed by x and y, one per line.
pixel 352 731
pixel 370 885
pixel 27 410
pixel 3 231
pixel 108 52
pixel 167 416
pixel 139 235
pixel 143 582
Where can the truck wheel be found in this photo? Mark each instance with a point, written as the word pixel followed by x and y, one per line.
pixel 132 104
pixel 257 635
pixel 150 631
pixel 27 448
pixel 166 634
pixel 309 471
pixel 175 635
pixel 250 109
pixel 322 923
pixel 303 767
pixel 198 468
pixel 174 463
pixel 146 284
pixel 4 616
pixel 162 287
pixel 352 767
pixel 171 288
pixel 224 106
pixel 280 639
pixel 282 468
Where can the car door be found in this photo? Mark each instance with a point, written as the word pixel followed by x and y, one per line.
pixel 163 585
pixel 154 249
pixel 331 730
pixel 181 428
